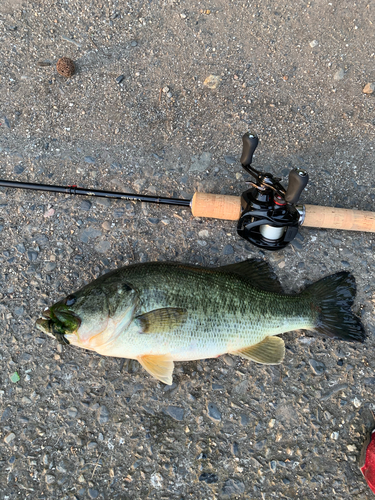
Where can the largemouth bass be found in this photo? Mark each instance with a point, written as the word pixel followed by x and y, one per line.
pixel 159 313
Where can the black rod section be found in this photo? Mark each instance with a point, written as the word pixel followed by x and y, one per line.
pixel 96 192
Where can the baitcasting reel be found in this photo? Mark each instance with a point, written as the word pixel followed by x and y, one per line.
pixel 269 218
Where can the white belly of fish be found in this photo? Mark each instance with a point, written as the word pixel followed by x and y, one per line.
pixel 196 339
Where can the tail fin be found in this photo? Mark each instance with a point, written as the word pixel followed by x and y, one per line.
pixel 333 297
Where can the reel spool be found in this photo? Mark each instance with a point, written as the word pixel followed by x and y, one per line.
pixel 269 218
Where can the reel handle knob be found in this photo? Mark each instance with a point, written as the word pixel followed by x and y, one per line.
pixel 298 179
pixel 250 143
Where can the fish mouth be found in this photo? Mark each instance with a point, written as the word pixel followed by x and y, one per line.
pixel 58 324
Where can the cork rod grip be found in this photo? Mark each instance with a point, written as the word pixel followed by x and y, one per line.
pixel 339 218
pixel 217 206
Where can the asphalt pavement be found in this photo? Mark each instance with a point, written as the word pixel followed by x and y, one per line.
pixel 161 95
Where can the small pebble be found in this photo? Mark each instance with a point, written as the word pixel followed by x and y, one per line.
pixel 317 366
pixel 103 415
pixel 232 487
pixel 14 377
pixel 244 419
pixel 212 82
pixel 50 479
pixel 119 79
pixel 203 234
pixel 356 402
pixel 18 169
pixel 72 412
pixel 89 159
pixel 88 233
pixel 103 246
pixel 157 481
pixel 339 75
pixel 106 226
pixel 314 43
pixel 228 250
pixel 85 205
pixel 208 478
pixel 229 160
pixel 369 88
pixel 213 412
pixel 65 67
pixel 104 202
pixel 228 360
pixel 9 438
pixel 50 266
pixel 175 412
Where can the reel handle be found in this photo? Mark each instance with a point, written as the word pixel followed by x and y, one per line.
pixel 298 179
pixel 250 143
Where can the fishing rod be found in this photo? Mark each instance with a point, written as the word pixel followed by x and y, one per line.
pixel 267 214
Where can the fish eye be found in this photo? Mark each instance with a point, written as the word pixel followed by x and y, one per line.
pixel 70 300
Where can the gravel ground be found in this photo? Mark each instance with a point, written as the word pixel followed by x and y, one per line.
pixel 138 117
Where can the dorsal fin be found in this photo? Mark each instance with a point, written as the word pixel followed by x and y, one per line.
pixel 258 272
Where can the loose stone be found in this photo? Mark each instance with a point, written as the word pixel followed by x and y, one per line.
pixel 18 169
pixel 200 163
pixel 9 438
pixel 233 487
pixel 212 82
pixel 85 205
pixel 228 250
pixel 208 478
pixel 157 481
pixel 317 366
pixel 72 412
pixel 175 412
pixel 103 246
pixel 103 415
pixel 213 412
pixel 369 88
pixel 357 402
pixel 339 75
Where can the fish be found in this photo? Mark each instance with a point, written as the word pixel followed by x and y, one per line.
pixel 162 312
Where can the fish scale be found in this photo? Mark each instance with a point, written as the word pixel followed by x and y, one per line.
pixel 159 313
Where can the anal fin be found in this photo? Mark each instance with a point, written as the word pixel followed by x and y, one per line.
pixel 270 351
pixel 159 366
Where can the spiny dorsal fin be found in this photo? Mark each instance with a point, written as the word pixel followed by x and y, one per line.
pixel 159 366
pixel 258 272
pixel 162 320
pixel 270 351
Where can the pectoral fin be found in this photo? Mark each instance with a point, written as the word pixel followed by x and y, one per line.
pixel 270 351
pixel 162 320
pixel 159 366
